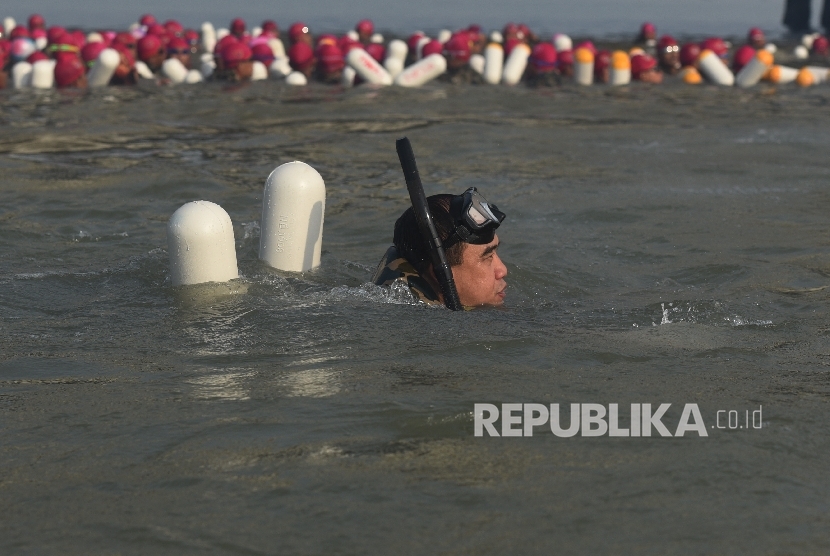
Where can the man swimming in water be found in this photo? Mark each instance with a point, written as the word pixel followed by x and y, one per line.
pixel 467 225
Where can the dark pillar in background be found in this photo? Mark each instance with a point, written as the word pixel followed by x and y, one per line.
pixel 797 15
pixel 825 16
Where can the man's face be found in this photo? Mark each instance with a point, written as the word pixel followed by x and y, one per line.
pixel 479 278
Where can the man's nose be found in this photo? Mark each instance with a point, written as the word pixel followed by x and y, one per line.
pixel 501 270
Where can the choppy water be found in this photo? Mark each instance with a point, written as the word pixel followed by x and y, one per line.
pixel 664 245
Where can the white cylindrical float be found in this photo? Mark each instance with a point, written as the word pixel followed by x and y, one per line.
pixel 444 35
pixel 208 66
pixel 584 66
pixel 419 47
pixel 367 67
pixel 713 68
pixel 562 42
pixel 393 66
pixel 280 68
pixel 377 38
pixel 477 62
pixel 422 72
pixel 496 37
pixel 493 63
pixel 42 42
pixel 348 76
pixel 174 70
pixel 93 37
pixel 277 48
pixel 208 37
pixel 8 24
pixel 801 52
pixel 395 57
pixel 259 72
pixel 201 245
pixel 514 67
pixel 221 33
pixel 103 68
pixel 293 207
pixel 352 34
pixel 256 31
pixel 771 48
pixel 296 78
pixel 782 74
pixel 22 75
pixel 620 68
pixel 43 74
pixel 812 75
pixel 143 70
pixel 752 73
pixel 193 77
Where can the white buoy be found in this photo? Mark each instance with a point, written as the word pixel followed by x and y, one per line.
pixel 395 60
pixel 808 40
pixel 103 68
pixel 713 68
pixel 41 43
pixel 174 70
pixel 280 68
pixel 771 48
pixel 801 52
pixel 277 48
pixel 208 37
pixel 782 74
pixel 94 37
pixel 422 72
pixel 208 65
pixel 444 35
pixel 193 77
pixel 293 207
pixel 497 37
pixel 377 38
pixel 201 245
pixel 143 70
pixel 352 34
pixel 419 46
pixel 515 65
pixel 477 62
pixel 620 68
pixel 493 63
pixel 256 31
pixel 584 66
pixel 43 74
pixel 562 42
pixel 221 33
pixel 367 67
pixel 8 25
pixel 348 76
pixel 393 66
pixel 296 78
pixel 22 75
pixel 812 75
pixel 752 73
pixel 259 71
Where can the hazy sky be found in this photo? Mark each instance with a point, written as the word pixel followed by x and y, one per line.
pixel 546 16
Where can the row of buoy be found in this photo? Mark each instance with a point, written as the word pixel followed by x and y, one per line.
pixel 200 238
pixel 497 61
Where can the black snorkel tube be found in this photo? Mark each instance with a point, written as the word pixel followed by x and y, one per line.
pixel 426 224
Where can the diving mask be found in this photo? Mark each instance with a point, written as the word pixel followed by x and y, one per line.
pixel 474 219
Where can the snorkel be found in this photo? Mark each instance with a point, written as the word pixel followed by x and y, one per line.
pixel 426 225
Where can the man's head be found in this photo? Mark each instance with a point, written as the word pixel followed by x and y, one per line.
pixel 466 225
